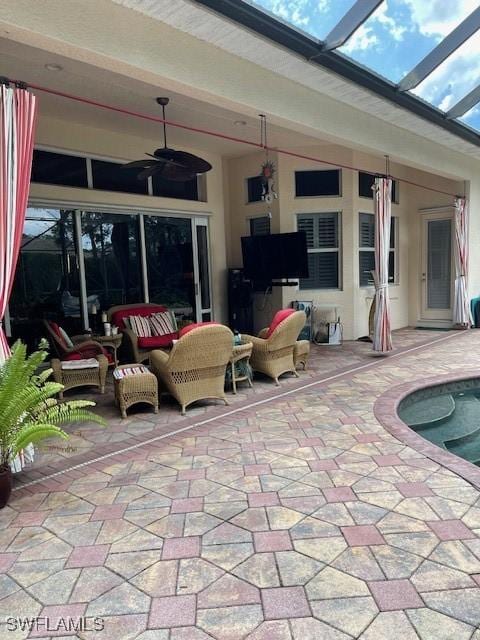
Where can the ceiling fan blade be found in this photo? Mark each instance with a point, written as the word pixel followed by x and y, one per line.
pixel 138 164
pixel 165 160
pixel 193 163
pixel 150 171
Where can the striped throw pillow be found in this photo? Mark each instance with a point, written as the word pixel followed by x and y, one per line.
pixel 140 326
pixel 162 324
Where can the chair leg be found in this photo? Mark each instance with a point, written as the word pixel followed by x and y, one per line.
pixel 184 410
pixel 277 382
pixel 234 381
pixel 250 383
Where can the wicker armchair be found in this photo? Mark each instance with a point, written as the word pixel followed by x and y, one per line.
pixel 71 378
pixel 195 367
pixel 83 345
pixel 130 339
pixel 273 356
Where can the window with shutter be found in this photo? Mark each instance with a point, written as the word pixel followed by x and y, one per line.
pixel 260 226
pixel 323 243
pixel 366 254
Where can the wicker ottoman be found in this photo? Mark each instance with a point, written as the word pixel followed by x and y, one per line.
pixel 80 373
pixel 134 383
pixel 301 351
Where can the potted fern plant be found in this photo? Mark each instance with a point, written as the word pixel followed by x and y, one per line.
pixel 29 409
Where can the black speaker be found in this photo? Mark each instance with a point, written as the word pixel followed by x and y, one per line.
pixel 240 307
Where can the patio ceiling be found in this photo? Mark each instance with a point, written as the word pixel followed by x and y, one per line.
pixel 19 61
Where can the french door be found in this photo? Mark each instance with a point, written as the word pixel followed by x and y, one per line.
pixel 437 267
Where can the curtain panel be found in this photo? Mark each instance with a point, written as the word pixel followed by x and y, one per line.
pixel 17 128
pixel 461 307
pixel 382 199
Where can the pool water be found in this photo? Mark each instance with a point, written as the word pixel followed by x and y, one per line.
pixel 451 420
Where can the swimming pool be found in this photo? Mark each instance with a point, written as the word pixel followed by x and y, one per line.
pixel 447 415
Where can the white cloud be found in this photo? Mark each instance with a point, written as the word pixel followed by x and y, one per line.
pixel 362 39
pixel 395 30
pixel 294 11
pixel 439 17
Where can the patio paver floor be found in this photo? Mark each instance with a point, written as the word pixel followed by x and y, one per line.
pixel 298 518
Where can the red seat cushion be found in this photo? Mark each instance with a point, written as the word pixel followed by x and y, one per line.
pixel 157 342
pixel 279 317
pixel 194 325
pixel 118 316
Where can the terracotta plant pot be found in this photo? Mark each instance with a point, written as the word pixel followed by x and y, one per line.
pixel 5 485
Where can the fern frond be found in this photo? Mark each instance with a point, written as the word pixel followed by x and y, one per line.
pixel 34 433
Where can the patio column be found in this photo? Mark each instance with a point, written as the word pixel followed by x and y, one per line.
pixel 382 199
pixel 461 307
pixel 17 125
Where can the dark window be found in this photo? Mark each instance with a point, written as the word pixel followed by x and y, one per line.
pixel 58 168
pixel 323 245
pixel 169 189
pixel 317 183
pixel 111 176
pixel 260 226
pixel 254 189
pixel 366 182
pixel 366 255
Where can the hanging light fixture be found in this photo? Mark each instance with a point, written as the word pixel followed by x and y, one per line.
pixel 268 167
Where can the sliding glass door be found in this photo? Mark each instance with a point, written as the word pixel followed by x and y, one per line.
pixel 111 254
pixel 201 248
pixel 47 282
pixel 72 261
pixel 170 262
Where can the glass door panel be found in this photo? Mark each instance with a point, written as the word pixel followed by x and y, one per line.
pixel 170 263
pixel 202 270
pixel 46 284
pixel 111 251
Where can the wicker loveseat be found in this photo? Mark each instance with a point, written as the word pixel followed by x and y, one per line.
pixel 139 348
pixel 195 367
pixel 272 352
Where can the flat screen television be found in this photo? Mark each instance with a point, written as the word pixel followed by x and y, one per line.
pixel 275 256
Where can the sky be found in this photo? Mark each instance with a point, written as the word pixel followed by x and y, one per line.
pixel 395 38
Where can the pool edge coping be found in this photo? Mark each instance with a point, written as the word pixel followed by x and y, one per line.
pixel 385 410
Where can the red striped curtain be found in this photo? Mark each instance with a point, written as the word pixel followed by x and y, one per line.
pixel 461 307
pixel 17 127
pixel 382 198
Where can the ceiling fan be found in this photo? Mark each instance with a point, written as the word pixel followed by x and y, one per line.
pixel 169 164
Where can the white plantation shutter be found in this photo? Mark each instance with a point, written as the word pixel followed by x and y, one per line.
pixel 322 232
pixel 366 254
pixel 260 226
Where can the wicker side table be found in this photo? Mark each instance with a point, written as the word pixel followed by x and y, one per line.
pixel 134 388
pixel 240 352
pixel 301 352
pixel 110 342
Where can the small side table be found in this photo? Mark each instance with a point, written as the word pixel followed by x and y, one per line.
pixel 138 384
pixel 240 352
pixel 110 342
